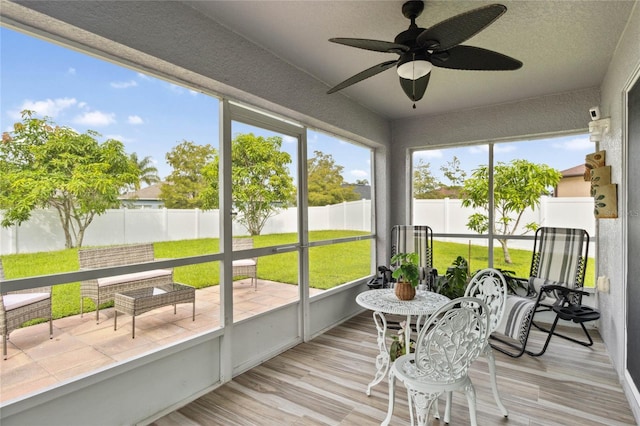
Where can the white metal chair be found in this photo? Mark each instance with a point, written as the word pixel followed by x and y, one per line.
pixel 490 286
pixel 452 338
pixel 17 307
pixel 245 267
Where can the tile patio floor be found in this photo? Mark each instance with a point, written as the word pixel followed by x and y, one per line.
pixel 79 345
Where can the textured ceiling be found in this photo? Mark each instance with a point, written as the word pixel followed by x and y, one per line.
pixel 564 45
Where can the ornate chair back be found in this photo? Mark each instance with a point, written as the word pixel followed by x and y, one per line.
pixel 452 339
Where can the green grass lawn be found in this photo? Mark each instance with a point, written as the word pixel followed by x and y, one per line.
pixel 330 265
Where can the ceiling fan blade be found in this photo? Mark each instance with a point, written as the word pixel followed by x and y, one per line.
pixel 370 72
pixel 475 59
pixel 457 29
pixel 375 45
pixel 415 91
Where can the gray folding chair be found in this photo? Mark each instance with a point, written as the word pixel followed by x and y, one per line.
pixel 558 268
pixel 415 239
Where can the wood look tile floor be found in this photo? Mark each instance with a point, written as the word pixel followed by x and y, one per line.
pixel 323 382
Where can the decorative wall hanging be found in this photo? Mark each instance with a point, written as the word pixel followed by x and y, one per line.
pixel 605 200
pixel 604 193
pixel 593 161
pixel 599 177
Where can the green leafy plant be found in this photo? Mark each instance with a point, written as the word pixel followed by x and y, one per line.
pixel 406 268
pixel 514 283
pixel 398 348
pixel 454 282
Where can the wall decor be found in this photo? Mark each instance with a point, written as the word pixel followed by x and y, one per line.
pixel 605 200
pixel 593 161
pixel 604 193
pixel 600 176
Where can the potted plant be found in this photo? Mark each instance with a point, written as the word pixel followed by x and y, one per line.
pixel 398 347
pixel 407 274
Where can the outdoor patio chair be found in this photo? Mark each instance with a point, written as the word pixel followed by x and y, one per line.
pixel 489 286
pixel 557 274
pixel 453 337
pixel 17 307
pixel 245 267
pixel 418 239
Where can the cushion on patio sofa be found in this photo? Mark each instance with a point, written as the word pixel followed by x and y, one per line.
pixel 136 276
pixel 244 262
pixel 18 300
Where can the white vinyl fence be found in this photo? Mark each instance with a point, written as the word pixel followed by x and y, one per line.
pixel 43 232
pixel 449 217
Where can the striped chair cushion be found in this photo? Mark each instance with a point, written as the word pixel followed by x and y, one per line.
pixel 517 316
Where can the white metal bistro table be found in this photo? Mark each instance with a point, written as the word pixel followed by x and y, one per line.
pixel 384 301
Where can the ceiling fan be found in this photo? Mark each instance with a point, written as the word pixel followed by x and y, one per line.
pixel 420 49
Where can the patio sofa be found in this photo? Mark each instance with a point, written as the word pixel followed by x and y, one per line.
pixel 103 289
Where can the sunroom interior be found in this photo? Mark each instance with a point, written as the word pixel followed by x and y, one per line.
pixel 270 65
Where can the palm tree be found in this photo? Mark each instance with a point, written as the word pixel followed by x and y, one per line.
pixel 148 173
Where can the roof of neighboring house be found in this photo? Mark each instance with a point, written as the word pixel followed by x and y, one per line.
pixel 574 171
pixel 151 192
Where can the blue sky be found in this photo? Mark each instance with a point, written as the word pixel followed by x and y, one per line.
pixel 150 116
pixel 561 153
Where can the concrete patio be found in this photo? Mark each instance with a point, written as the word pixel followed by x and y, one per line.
pixel 80 346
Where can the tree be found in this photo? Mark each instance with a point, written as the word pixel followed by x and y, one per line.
pixel 186 182
pixel 425 185
pixel 517 186
pixel 148 173
pixel 325 182
pixel 260 180
pixel 454 172
pixel 43 165
pixel 456 176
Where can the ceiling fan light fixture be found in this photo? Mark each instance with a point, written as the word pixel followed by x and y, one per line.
pixel 413 67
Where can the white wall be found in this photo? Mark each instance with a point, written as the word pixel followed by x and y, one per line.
pixel 611 257
pixel 122 226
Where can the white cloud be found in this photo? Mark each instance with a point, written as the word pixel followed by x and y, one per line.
pixel 135 119
pixel 119 138
pixel 123 84
pixel 503 148
pixel 312 138
pixel 143 76
pixel 193 92
pixel 478 149
pixel 359 174
pixel 95 118
pixel 71 71
pixel 430 153
pixel 45 108
pixel 575 144
pixel 289 139
pixel 175 88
